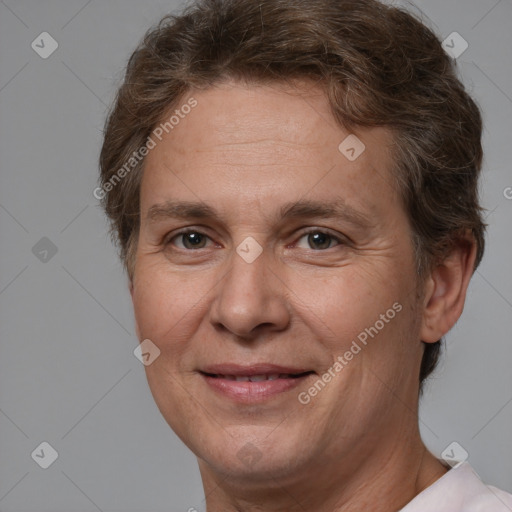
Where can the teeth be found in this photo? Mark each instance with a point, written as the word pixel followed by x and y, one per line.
pixel 256 378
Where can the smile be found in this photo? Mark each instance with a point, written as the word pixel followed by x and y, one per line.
pixel 252 384
pixel 258 378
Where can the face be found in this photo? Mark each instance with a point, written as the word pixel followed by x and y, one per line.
pixel 275 273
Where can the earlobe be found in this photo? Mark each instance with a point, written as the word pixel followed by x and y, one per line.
pixel 445 290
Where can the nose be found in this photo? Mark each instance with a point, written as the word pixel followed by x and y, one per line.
pixel 251 299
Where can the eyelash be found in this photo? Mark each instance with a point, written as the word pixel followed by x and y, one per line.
pixel 186 231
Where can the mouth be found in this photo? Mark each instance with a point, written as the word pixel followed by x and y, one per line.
pixel 257 378
pixel 254 383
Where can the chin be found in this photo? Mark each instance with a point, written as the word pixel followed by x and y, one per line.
pixel 250 452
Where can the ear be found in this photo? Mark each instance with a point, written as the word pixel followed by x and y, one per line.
pixel 137 330
pixel 445 289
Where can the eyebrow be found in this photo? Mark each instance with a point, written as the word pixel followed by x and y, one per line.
pixel 337 209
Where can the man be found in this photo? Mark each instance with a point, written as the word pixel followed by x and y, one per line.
pixel 293 186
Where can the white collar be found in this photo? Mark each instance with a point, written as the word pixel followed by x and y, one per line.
pixel 460 490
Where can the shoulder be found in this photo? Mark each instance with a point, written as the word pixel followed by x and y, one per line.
pixel 460 490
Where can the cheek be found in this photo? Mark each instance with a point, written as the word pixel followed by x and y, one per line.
pixel 165 302
pixel 349 301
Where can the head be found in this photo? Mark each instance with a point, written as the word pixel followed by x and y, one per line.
pixel 244 108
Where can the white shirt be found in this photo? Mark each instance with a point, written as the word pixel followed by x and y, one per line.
pixel 460 490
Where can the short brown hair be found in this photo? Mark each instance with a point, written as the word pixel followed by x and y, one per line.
pixel 379 65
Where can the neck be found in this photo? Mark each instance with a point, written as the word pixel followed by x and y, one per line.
pixel 376 476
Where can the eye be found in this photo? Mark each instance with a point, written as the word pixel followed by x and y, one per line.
pixel 192 239
pixel 189 239
pixel 319 240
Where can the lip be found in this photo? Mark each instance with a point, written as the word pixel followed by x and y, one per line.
pixel 252 369
pixel 252 392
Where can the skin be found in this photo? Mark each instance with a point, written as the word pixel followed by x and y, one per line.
pixel 246 150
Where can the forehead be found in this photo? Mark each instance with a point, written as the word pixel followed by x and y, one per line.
pixel 265 140
pixel 236 113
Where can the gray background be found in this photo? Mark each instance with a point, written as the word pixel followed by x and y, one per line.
pixel 68 375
